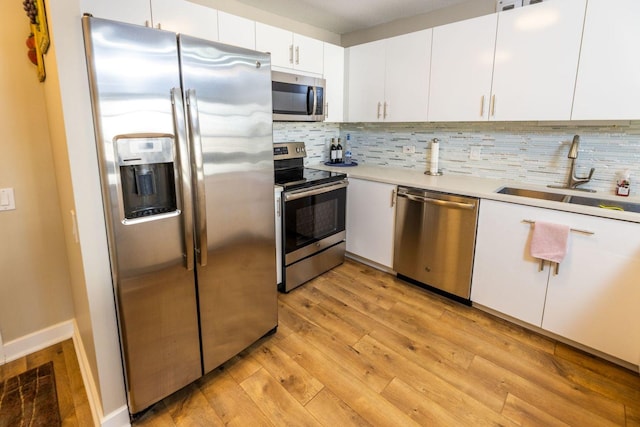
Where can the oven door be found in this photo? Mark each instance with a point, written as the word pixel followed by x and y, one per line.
pixel 313 219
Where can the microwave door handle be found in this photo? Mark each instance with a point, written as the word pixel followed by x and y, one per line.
pixel 197 167
pixel 315 101
pixel 185 176
pixel 311 90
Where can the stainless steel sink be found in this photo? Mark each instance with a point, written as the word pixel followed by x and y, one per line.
pixel 606 204
pixel 576 200
pixel 534 194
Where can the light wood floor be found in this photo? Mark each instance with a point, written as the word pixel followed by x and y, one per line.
pixel 358 347
pixel 72 398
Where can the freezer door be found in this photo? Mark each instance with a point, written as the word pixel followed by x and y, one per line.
pixel 132 71
pixel 228 97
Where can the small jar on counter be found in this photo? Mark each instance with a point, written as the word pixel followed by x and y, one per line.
pixel 623 184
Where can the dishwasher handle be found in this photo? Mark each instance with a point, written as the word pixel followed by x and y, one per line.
pixel 438 202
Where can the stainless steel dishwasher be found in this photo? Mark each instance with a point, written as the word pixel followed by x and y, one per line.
pixel 435 239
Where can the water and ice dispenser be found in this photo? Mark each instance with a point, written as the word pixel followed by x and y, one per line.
pixel 147 175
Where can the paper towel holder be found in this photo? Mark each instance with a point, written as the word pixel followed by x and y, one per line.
pixel 436 172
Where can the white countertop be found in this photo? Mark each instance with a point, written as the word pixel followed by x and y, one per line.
pixel 484 188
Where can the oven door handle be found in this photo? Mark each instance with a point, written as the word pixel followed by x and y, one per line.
pixel 319 189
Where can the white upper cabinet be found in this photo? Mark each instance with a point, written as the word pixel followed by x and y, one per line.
pixel 366 81
pixel 236 31
pixel 536 60
pixel 389 79
pixel 608 84
pixel 290 50
pixel 334 76
pixel 185 17
pixel 462 69
pixel 135 12
pixel 180 16
pixel 408 62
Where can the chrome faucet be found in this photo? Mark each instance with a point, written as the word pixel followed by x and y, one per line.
pixel 573 181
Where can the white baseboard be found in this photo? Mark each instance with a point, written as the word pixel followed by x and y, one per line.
pixel 55 334
pixel 117 418
pixel 38 340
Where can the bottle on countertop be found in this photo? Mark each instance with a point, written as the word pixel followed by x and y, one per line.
pixel 333 153
pixel 339 152
pixel 623 184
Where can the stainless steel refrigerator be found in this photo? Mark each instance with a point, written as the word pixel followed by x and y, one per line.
pixel 184 137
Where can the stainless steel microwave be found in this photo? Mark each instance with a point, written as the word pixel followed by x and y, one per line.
pixel 297 98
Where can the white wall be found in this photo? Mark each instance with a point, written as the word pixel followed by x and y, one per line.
pixel 35 290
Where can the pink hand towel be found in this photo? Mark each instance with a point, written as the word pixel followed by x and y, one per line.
pixel 549 241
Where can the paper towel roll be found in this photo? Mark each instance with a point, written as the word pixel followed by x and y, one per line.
pixel 435 154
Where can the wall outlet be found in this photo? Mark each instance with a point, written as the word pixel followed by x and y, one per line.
pixel 475 153
pixel 409 149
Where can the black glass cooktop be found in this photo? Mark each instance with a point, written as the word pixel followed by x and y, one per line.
pixel 305 177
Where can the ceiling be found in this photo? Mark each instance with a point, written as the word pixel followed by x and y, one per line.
pixel 345 16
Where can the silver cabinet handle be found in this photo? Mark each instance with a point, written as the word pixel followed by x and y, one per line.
pixel 198 167
pixel 185 175
pixel 493 105
pixel 575 230
pixel 482 106
pixel 297 55
pixel 556 271
pixel 443 203
pixel 326 110
pixel 393 197
pixel 290 54
pixel 278 207
pixel 378 115
pixel 384 111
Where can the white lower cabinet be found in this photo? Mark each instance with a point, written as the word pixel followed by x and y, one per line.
pixel 593 299
pixel 370 220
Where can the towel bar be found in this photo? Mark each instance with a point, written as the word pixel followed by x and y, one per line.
pixel 575 230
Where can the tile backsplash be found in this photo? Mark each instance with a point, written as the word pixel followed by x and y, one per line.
pixel 529 152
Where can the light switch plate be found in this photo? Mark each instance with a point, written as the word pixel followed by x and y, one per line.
pixel 7 201
pixel 475 153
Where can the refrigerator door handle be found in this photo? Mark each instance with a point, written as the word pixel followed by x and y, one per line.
pixel 198 172
pixel 185 176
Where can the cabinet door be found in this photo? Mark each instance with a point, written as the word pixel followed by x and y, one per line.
pixel 278 42
pixel 236 31
pixel 308 54
pixel 185 17
pixel 506 278
pixel 536 60
pixel 462 69
pixel 131 11
pixel 608 86
pixel 370 220
pixel 366 81
pixel 334 76
pixel 595 297
pixel 407 64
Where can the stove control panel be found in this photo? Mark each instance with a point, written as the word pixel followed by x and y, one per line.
pixel 288 150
